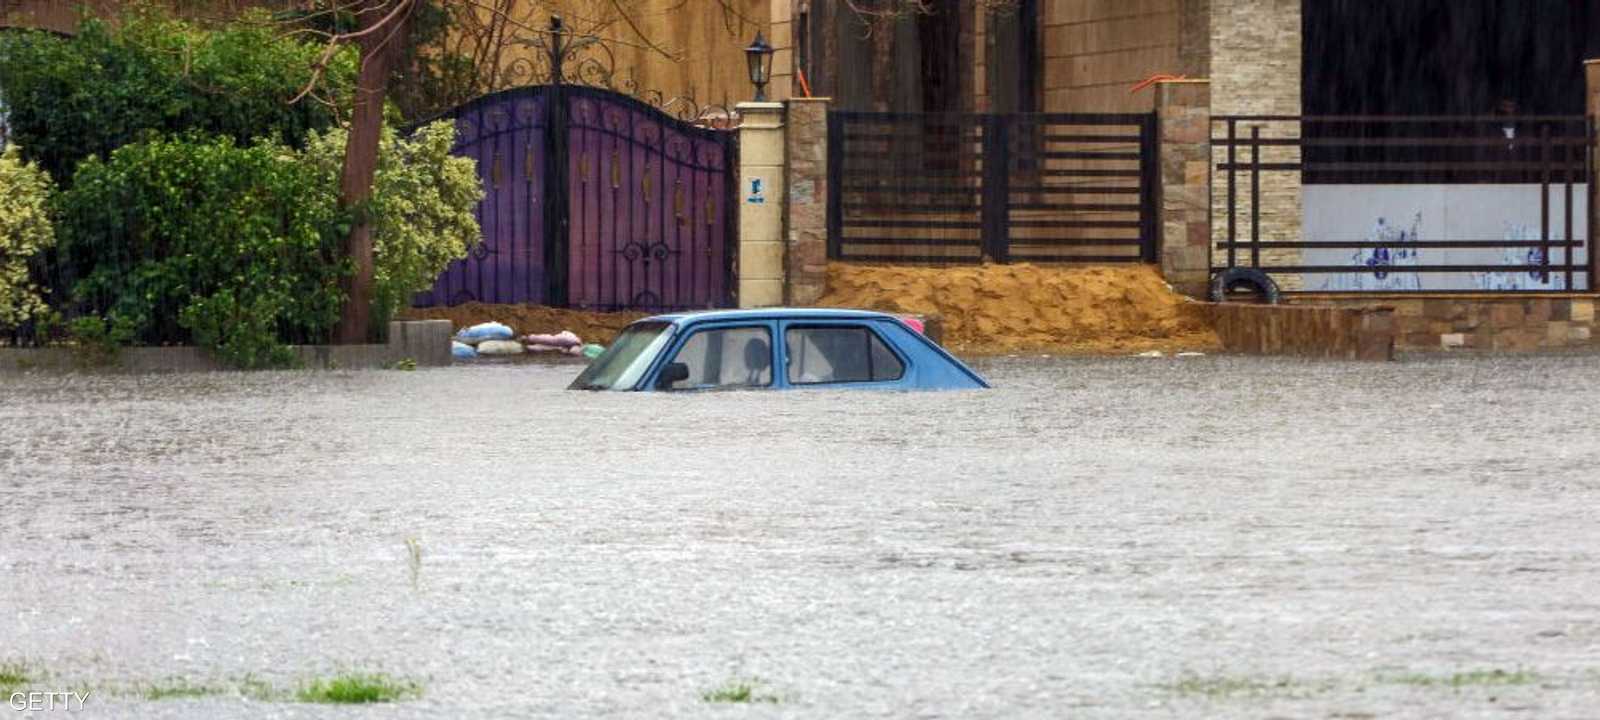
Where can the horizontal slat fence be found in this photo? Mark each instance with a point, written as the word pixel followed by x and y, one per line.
pixel 962 188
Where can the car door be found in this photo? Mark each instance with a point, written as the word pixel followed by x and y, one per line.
pixel 726 356
pixel 839 354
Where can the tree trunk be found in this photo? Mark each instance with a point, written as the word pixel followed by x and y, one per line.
pixel 379 48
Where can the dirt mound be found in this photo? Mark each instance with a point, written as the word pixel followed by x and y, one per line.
pixel 593 327
pixel 1022 307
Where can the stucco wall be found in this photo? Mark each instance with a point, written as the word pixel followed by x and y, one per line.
pixel 1094 51
pixel 693 48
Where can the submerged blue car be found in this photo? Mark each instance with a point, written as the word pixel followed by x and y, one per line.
pixel 775 348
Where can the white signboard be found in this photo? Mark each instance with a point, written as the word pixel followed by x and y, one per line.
pixel 1401 215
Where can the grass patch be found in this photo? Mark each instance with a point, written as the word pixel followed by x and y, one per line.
pixel 257 689
pixel 1472 678
pixel 1225 686
pixel 179 689
pixel 739 691
pixel 15 674
pixel 357 690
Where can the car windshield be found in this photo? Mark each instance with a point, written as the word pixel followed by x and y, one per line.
pixel 620 366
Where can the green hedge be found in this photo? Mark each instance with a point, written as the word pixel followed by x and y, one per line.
pixel 198 240
pixel 240 249
pixel 422 208
pixel 25 235
pixel 72 98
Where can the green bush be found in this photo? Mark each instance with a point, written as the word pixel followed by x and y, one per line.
pixel 195 239
pixel 25 234
pixel 240 249
pixel 421 209
pixel 72 98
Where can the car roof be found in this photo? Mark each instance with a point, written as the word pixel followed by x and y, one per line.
pixel 771 314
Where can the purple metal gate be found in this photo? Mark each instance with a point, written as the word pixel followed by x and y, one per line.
pixel 608 204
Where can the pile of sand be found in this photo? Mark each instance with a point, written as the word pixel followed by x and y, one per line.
pixel 985 308
pixel 1011 308
pixel 593 327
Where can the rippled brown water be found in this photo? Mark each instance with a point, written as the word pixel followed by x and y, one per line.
pixel 1205 537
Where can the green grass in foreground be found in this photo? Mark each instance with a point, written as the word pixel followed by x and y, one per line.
pixel 179 689
pixel 15 674
pixel 358 689
pixel 1471 678
pixel 739 691
pixel 1224 686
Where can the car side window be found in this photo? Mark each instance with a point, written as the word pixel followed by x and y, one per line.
pixel 839 354
pixel 726 358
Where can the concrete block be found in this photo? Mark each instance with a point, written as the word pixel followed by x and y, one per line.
pixel 425 341
pixel 761 147
pixel 761 260
pixel 757 293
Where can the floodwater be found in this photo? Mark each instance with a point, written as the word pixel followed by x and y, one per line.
pixel 1109 538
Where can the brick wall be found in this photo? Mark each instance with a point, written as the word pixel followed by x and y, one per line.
pixel 1255 70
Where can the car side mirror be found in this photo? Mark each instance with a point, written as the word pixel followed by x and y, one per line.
pixel 672 373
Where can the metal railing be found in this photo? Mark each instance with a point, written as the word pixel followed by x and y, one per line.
pixel 962 188
pixel 1475 165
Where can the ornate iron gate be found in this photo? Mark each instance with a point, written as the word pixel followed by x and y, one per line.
pixel 595 200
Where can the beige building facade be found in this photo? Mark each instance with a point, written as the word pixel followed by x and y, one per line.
pixel 690 50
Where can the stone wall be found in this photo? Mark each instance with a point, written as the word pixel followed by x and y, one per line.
pixel 1316 332
pixel 806 216
pixel 1255 70
pixel 423 342
pixel 1483 322
pixel 1184 118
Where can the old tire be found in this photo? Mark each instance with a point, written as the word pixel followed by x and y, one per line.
pixel 1239 278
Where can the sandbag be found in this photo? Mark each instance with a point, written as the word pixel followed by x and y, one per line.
pixel 499 347
pixel 485 331
pixel 462 351
pixel 563 340
pixel 575 350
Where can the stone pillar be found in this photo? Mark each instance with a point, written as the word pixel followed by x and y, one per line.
pixel 1591 71
pixel 806 213
pixel 1183 116
pixel 1255 70
pixel 761 201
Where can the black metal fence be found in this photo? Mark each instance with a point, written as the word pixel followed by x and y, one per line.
pixel 1521 167
pixel 962 188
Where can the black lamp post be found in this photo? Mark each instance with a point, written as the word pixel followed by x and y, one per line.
pixel 759 56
